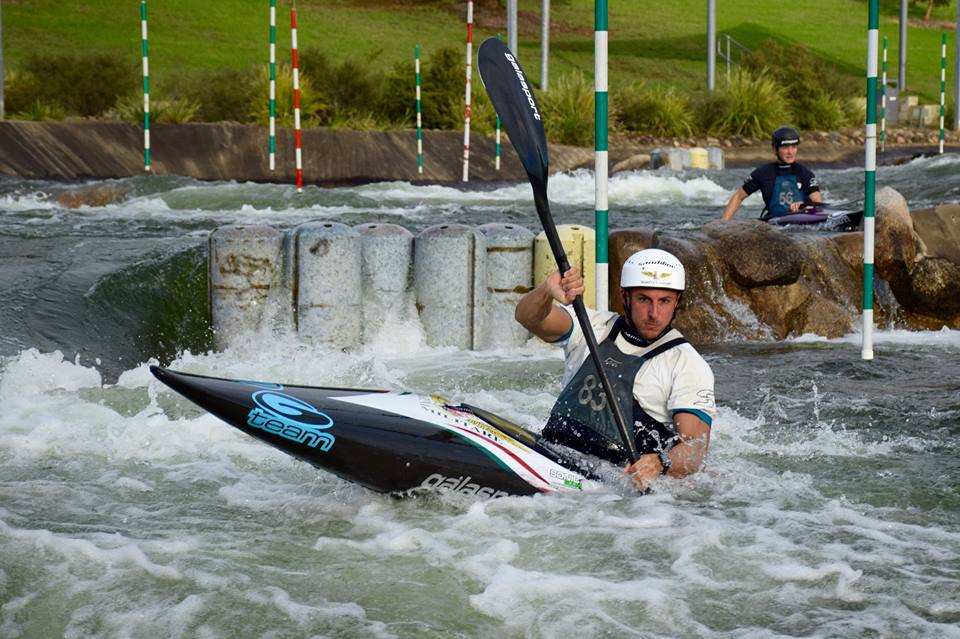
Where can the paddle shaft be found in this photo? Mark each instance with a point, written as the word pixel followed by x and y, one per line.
pixel 550 230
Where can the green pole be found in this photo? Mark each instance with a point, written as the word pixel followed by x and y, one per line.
pixel 601 209
pixel 272 146
pixel 943 83
pixel 416 62
pixel 146 86
pixel 870 177
pixel 496 158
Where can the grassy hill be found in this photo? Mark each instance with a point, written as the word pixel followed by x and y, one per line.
pixel 650 41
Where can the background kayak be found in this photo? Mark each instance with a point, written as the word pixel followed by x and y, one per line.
pixel 823 218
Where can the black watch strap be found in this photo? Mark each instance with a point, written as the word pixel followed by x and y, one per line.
pixel 664 461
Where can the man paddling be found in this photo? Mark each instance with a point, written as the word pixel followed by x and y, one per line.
pixel 786 185
pixel 663 386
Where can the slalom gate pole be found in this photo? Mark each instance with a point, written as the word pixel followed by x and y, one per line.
pixel 870 178
pixel 943 82
pixel 416 65
pixel 466 116
pixel 146 86
pixel 496 157
pixel 296 98
pixel 883 100
pixel 601 208
pixel 272 147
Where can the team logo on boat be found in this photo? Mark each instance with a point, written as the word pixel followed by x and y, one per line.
pixel 290 418
pixel 461 484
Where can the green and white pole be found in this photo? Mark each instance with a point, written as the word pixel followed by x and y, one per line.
pixel 943 82
pixel 416 64
pixel 883 100
pixel 600 170
pixel 870 177
pixel 273 85
pixel 146 86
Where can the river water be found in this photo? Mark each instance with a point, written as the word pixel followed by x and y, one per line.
pixel 830 506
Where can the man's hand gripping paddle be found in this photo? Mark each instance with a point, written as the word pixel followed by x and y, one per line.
pixel 512 97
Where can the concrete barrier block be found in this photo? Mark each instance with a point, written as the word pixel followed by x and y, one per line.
pixel 699 159
pixel 328 283
pixel 450 284
pixel 509 277
pixel 580 245
pixel 386 272
pixel 245 269
pixel 715 158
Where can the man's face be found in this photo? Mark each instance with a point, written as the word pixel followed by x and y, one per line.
pixel 787 154
pixel 651 309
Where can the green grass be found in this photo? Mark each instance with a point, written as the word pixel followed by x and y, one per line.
pixel 662 42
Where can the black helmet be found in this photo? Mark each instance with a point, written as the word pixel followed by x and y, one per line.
pixel 785 135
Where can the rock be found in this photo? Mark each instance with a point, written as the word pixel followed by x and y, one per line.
pixel 935 283
pixel 894 245
pixel 637 162
pixel 96 195
pixel 755 253
pixel 938 231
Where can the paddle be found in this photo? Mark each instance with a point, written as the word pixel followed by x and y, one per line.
pixel 520 115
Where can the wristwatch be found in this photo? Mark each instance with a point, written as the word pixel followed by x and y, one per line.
pixel 664 461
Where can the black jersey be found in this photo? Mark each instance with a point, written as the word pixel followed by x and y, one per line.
pixel 781 185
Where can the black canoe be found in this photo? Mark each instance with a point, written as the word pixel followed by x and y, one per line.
pixel 820 218
pixel 387 441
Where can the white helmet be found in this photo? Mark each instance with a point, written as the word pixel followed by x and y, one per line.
pixel 653 268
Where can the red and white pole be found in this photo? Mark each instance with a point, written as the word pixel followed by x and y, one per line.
pixel 296 98
pixel 466 121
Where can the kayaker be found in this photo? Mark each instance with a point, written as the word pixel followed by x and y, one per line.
pixel 786 185
pixel 664 387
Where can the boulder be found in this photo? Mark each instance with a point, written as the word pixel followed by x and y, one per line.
pixel 755 253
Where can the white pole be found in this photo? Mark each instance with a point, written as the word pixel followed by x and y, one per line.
pixel 512 27
pixel 711 43
pixel 466 119
pixel 544 43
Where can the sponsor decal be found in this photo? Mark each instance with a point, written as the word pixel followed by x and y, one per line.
pixel 568 479
pixel 524 86
pixel 461 484
pixel 290 418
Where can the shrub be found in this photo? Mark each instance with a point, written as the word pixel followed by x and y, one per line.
pixel 40 110
pixel 818 111
pixel 313 111
pixel 349 89
pixel 21 91
pixel 568 110
pixel 175 111
pixel 398 100
pixel 656 110
pixel 756 106
pixel 84 85
pixel 709 108
pixel 226 95
pixel 442 90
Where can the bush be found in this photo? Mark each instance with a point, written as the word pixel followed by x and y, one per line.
pixel 40 110
pixel 313 111
pixel 656 110
pixel 21 91
pixel 755 106
pixel 225 96
pixel 398 100
pixel 568 110
pixel 175 111
pixel 709 109
pixel 83 85
pixel 349 89
pixel 442 90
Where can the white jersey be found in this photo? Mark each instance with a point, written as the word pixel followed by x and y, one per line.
pixel 677 380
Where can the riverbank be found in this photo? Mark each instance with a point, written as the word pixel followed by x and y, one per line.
pixel 90 149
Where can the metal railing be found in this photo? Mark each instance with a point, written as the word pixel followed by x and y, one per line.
pixel 727 47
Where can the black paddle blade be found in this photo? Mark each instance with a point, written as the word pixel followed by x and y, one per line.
pixel 512 97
